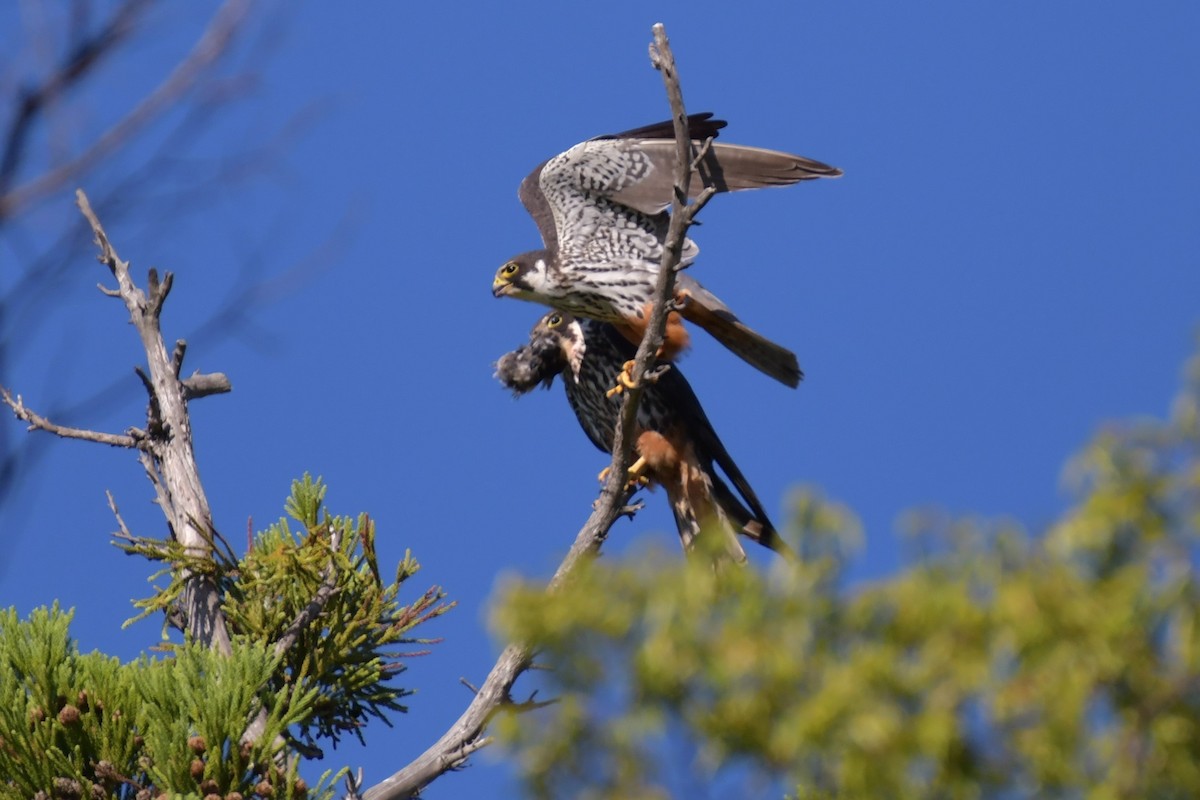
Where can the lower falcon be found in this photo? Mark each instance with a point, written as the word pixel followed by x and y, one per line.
pixel 601 210
pixel 676 445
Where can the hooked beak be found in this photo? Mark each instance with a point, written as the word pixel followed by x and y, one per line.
pixel 501 287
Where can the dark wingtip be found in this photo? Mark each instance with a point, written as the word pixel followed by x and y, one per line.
pixel 700 126
pixel 816 169
pixel 786 370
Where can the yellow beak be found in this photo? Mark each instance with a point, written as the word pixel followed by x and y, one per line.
pixel 501 287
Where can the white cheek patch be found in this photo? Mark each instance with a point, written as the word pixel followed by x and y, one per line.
pixel 575 357
pixel 534 276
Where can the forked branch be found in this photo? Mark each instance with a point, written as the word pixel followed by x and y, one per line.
pixel 467 734
pixel 166 444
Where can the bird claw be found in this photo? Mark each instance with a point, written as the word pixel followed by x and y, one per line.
pixel 635 472
pixel 681 300
pixel 624 380
pixel 636 479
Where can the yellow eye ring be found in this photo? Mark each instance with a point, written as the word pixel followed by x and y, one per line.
pixel 554 320
pixel 509 269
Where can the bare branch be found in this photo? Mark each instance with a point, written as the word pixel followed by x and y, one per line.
pixel 664 61
pixel 158 163
pixel 308 614
pixel 198 385
pixel 78 63
pixel 630 510
pixel 112 504
pixel 159 291
pixel 466 734
pixel 38 422
pixel 354 785
pixel 700 202
pixel 212 44
pixel 177 356
pixel 532 704
pixel 167 453
pixel 703 151
pixel 147 384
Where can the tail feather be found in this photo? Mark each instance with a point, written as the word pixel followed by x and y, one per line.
pixel 704 309
pixel 695 503
pixel 759 530
pixel 689 493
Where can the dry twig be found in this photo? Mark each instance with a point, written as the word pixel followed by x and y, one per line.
pixel 166 451
pixel 38 422
pixel 77 64
pixel 310 612
pixel 212 45
pixel 466 734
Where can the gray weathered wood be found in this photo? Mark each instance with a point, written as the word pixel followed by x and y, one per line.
pixel 466 735
pixel 166 452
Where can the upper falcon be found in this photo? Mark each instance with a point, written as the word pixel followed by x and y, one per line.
pixel 601 210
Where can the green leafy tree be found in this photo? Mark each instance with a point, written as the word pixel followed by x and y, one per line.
pixel 1001 664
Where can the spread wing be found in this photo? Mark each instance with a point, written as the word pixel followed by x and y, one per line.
pixel 700 126
pixel 534 198
pixel 625 182
pixel 726 167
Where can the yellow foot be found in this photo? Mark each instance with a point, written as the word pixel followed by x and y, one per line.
pixel 624 380
pixel 636 478
pixel 636 469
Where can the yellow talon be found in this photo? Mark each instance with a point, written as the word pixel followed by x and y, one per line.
pixel 624 380
pixel 635 470
pixel 636 478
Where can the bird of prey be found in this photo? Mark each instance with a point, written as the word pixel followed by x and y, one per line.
pixel 601 210
pixel 676 445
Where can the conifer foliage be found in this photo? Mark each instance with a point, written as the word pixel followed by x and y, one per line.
pixel 76 725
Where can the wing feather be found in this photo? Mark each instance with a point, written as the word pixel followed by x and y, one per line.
pixel 627 181
pixel 535 202
pixel 727 167
pixel 539 207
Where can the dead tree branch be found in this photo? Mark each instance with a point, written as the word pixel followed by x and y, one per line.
pixel 310 612
pixel 38 422
pixel 78 64
pixel 466 734
pixel 166 452
pixel 140 166
pixel 213 44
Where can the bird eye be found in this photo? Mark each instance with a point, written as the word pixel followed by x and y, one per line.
pixel 509 269
pixel 554 320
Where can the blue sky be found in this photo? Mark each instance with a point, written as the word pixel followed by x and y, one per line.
pixel 1010 261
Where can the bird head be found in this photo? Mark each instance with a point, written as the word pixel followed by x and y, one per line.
pixel 561 332
pixel 521 276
